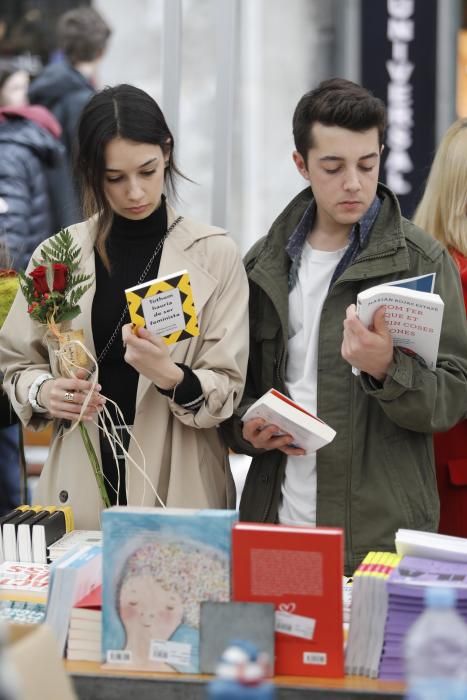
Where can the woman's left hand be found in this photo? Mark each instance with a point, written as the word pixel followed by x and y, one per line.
pixel 149 355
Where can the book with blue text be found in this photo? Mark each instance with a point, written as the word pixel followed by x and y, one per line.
pixel 159 565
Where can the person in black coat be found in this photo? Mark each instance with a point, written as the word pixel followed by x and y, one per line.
pixel 30 149
pixel 64 87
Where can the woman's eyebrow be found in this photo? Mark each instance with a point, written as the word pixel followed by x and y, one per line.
pixel 143 165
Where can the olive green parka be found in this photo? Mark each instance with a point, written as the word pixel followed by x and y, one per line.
pixel 378 474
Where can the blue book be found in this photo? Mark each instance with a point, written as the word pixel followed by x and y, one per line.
pixel 422 283
pixel 159 565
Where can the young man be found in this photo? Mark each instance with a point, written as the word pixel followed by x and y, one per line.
pixel 342 234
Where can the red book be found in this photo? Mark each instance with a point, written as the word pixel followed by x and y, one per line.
pixel 299 569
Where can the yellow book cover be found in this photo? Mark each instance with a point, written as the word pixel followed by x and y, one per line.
pixel 165 307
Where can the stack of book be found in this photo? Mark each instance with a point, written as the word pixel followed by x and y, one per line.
pixel 368 614
pixel 81 538
pixel 406 588
pixel 27 531
pixel 417 543
pixel 71 578
pixel 85 631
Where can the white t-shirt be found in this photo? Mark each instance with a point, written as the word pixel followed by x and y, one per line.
pixel 298 505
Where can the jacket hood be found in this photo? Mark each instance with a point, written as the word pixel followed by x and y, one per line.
pixel 55 81
pixel 28 134
pixel 37 114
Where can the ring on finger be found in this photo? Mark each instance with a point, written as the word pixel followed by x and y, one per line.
pixel 69 396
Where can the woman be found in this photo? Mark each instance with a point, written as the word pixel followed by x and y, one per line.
pixel 443 213
pixel 174 397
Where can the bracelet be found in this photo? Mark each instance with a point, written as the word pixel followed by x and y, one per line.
pixel 34 391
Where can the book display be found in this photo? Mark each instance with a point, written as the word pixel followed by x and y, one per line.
pixel 171 608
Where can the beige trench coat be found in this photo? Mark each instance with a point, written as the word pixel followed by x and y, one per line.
pixel 186 460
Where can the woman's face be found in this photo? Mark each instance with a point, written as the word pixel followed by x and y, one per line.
pixel 146 605
pixel 14 91
pixel 134 177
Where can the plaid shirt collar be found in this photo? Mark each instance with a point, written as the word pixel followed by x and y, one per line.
pixel 358 239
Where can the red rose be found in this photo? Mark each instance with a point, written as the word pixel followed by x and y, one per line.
pixel 60 274
pixel 39 278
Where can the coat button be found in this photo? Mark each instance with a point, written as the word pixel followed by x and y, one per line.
pixel 63 496
pixel 265 478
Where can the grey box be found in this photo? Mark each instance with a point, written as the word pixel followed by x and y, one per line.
pixel 222 623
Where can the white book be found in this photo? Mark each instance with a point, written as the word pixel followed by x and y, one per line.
pixel 83 538
pixel 94 632
pixel 308 431
pixel 71 578
pixel 413 317
pixel 431 545
pixel 84 655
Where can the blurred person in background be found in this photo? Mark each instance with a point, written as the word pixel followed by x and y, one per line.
pixel 65 86
pixel 443 213
pixel 30 151
pixel 12 464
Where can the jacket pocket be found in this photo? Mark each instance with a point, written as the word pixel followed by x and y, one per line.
pixel 410 466
pixel 457 469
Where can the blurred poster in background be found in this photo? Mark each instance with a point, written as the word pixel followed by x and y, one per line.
pixel 398 64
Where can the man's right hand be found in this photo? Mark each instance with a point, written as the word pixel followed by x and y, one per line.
pixel 264 436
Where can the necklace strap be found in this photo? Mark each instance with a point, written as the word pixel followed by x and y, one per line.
pixel 142 277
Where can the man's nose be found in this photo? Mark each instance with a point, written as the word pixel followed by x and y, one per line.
pixel 352 181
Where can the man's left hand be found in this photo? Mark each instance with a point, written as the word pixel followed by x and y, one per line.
pixel 368 349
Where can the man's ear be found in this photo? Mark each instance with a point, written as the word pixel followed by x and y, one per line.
pixel 300 165
pixel 382 149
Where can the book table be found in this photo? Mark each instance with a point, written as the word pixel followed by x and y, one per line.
pixel 93 682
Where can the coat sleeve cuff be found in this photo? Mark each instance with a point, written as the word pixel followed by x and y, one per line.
pixel 188 393
pixel 399 379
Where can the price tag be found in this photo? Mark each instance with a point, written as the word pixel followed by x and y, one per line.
pixel 315 658
pixel 295 625
pixel 172 653
pixel 118 656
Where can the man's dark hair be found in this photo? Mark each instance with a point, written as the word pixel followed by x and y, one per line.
pixel 82 34
pixel 337 102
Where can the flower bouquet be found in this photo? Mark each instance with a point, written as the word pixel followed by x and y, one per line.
pixel 52 290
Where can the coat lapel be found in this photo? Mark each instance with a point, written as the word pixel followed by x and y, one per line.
pixel 179 253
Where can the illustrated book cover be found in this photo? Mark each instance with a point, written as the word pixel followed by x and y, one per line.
pixel 413 316
pixel 165 306
pixel 308 431
pixel 160 564
pixel 299 569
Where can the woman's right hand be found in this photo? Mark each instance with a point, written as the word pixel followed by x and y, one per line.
pixel 64 397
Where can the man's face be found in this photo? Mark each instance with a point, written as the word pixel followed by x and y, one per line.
pixel 342 168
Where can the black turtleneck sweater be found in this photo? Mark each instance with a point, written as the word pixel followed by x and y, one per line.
pixel 130 245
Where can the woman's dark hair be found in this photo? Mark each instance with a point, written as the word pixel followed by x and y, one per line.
pixel 337 102
pixel 127 112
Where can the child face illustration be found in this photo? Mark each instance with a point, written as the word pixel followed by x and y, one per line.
pixel 145 605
